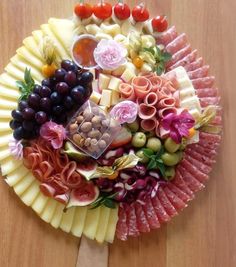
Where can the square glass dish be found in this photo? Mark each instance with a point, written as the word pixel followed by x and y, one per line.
pixel 92 129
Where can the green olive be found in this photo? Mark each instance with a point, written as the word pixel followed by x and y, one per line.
pixel 169 173
pixel 154 144
pixel 143 158
pixel 170 159
pixel 171 146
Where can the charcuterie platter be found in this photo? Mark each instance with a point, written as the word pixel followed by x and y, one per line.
pixel 110 122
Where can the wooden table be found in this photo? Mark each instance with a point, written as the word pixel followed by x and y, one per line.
pixel 203 235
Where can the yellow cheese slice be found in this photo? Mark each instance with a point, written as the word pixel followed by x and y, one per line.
pixel 56 219
pixel 114 84
pixel 106 98
pixel 4 153
pixel 8 81
pixel 8 165
pixel 191 103
pixel 4 127
pixel 5 114
pixel 95 97
pixel 103 223
pixel 79 221
pixel 67 220
pixel 91 222
pixel 31 193
pixel 21 186
pixel 187 92
pixel 38 35
pixel 7 104
pixel 39 203
pixel 9 93
pixel 4 139
pixel 48 210
pixel 111 228
pixel 33 47
pixel 16 176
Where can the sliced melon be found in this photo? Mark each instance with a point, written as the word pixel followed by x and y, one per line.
pixel 17 175
pixel 102 225
pixel 79 221
pixel 91 222
pixel 56 219
pixel 67 220
pixel 48 211
pixel 39 203
pixel 31 193
pixel 32 46
pixel 111 229
pixel 21 187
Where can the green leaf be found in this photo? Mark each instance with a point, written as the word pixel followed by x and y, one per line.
pixel 166 56
pixel 109 203
pixel 160 152
pixel 26 86
pixel 152 164
pixel 161 167
pixel 147 152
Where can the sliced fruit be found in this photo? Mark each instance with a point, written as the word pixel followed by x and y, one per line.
pixel 87 168
pixel 79 221
pixel 91 222
pixel 67 220
pixel 73 152
pixel 122 139
pixel 83 196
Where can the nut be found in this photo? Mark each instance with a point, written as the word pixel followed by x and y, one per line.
pixel 96 120
pixel 94 134
pixel 87 115
pixel 105 123
pixel 82 140
pixel 87 142
pixel 86 127
pixel 95 111
pixel 94 142
pixel 79 119
pixel 102 144
pixel 77 138
pixel 73 128
pixel 106 137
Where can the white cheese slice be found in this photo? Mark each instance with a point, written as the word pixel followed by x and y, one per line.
pixel 114 84
pixel 103 81
pixel 191 103
pixel 115 98
pixel 187 92
pixel 95 97
pixel 106 98
pixel 128 75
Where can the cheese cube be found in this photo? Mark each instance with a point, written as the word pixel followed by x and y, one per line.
pixel 106 98
pixel 114 84
pixel 95 85
pixel 112 30
pixel 128 75
pixel 95 97
pixel 191 103
pixel 104 81
pixel 93 29
pixel 115 98
pixel 119 71
pixel 186 92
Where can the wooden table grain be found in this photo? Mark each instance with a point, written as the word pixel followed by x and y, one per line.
pixel 204 234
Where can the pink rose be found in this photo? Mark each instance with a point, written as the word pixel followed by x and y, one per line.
pixel 125 112
pixel 54 133
pixel 109 54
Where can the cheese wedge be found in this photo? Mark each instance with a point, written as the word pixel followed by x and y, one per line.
pixel 9 93
pixel 56 219
pixel 103 81
pixel 103 223
pixel 91 222
pixel 67 220
pixel 39 203
pixel 20 187
pixel 79 221
pixel 111 228
pixel 33 47
pixel 31 193
pixel 4 140
pixel 106 98
pixel 37 35
pixel 191 103
pixel 9 164
pixel 4 127
pixel 95 97
pixel 128 75
pixel 9 81
pixel 7 104
pixel 49 210
pixel 114 84
pixel 17 175
pixel 4 153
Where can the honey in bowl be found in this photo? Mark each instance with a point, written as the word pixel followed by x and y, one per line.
pixel 82 51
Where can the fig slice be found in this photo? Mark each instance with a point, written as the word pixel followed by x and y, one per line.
pixel 73 152
pixel 84 195
pixel 87 168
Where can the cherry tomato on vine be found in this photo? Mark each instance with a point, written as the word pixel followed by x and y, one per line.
pixel 122 11
pixel 83 10
pixel 160 24
pixel 140 13
pixel 102 10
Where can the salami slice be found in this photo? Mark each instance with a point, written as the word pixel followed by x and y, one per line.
pixel 206 101
pixel 179 55
pixel 205 82
pixel 217 120
pixel 159 210
pixel 184 61
pixel 174 199
pixel 121 227
pixel 132 221
pixel 211 153
pixel 190 180
pixel 178 43
pixel 199 156
pixel 142 223
pixel 170 209
pixel 199 73
pixel 194 65
pixel 210 138
pixel 207 92
pixel 151 215
pixel 182 195
pixel 168 36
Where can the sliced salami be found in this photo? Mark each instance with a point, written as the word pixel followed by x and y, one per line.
pixel 194 65
pixel 206 101
pixel 199 156
pixel 217 120
pixel 174 199
pixel 179 55
pixel 181 194
pixel 199 73
pixel 159 210
pixel 121 227
pixel 178 43
pixel 210 138
pixel 207 92
pixel 132 221
pixel 142 223
pixel 211 153
pixel 151 215
pixel 185 61
pixel 167 36
pixel 205 82
pixel 170 209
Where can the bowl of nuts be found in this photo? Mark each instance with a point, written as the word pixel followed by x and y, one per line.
pixel 92 129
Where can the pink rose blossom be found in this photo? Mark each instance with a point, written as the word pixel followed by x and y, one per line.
pixel 109 54
pixel 54 133
pixel 125 112
pixel 16 148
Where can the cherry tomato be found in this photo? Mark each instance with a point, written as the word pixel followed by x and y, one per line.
pixel 159 24
pixel 122 11
pixel 83 10
pixel 140 13
pixel 102 10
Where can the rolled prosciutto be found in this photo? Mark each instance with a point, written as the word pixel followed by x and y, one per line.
pixel 165 111
pixel 150 124
pixel 151 99
pixel 142 86
pixel 127 91
pixel 146 112
pixel 166 102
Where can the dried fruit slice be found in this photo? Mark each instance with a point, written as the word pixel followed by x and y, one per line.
pixel 86 168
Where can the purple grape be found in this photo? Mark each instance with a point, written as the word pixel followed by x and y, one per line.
pixel 41 117
pixel 78 94
pixel 55 98
pixel 86 78
pixel 37 88
pixel 28 125
pixel 57 110
pixel 18 133
pixel 47 82
pixel 14 124
pixel 68 103
pixel 69 65
pixel 22 105
pixel 28 114
pixel 45 104
pixel 71 79
pixel 17 115
pixel 34 100
pixel 45 91
pixel 62 88
pixel 60 75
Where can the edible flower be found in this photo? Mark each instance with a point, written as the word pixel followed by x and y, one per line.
pixel 53 133
pixel 16 148
pixel 110 55
pixel 125 112
pixel 178 125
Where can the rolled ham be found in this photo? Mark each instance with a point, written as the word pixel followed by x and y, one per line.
pixel 148 75
pixel 166 102
pixel 146 112
pixel 127 91
pixel 157 82
pixel 150 124
pixel 163 133
pixel 164 92
pixel 165 111
pixel 151 99
pixel 142 86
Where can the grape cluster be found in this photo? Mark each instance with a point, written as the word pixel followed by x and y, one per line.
pixel 55 99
